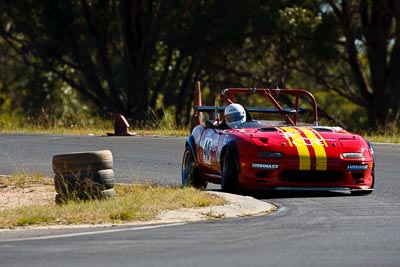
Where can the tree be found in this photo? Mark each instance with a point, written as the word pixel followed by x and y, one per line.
pixel 348 48
pixel 355 53
pixel 124 55
pixel 375 26
pixel 129 56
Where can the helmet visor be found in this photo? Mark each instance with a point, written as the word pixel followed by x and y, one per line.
pixel 235 116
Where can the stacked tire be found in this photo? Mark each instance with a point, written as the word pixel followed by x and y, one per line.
pixel 83 175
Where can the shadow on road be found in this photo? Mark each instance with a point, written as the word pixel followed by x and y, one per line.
pixel 275 194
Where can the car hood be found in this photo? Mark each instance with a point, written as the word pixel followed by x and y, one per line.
pixel 312 148
pixel 298 136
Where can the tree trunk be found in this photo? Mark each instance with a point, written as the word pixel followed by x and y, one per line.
pixel 381 92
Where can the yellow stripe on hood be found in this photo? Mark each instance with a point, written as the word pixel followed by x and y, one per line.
pixel 318 143
pixel 314 140
pixel 294 138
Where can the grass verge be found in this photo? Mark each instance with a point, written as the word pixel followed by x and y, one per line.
pixel 84 124
pixel 136 202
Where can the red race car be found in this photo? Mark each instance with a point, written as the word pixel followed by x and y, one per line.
pixel 252 139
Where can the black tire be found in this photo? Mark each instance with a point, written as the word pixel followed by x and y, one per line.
pixel 65 183
pixel 101 195
pixel 190 171
pixel 60 199
pixel 82 162
pixel 110 193
pixel 229 175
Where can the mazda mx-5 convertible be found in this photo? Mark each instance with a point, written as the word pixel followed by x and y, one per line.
pixel 271 139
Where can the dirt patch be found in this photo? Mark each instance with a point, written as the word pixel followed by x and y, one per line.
pixel 29 195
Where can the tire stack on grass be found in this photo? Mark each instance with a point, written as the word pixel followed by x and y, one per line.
pixel 83 176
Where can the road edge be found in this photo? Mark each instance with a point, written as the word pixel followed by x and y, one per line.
pixel 237 206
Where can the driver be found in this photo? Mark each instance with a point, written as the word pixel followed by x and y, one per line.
pixel 234 115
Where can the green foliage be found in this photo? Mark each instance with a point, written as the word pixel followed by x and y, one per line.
pixel 25 180
pixel 74 122
pixel 103 57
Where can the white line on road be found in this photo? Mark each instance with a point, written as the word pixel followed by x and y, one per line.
pixel 93 232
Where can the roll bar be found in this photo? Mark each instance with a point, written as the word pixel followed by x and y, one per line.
pixel 228 96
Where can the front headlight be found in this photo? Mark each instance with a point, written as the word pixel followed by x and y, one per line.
pixel 353 155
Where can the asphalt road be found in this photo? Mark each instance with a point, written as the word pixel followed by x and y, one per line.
pixel 155 159
pixel 309 229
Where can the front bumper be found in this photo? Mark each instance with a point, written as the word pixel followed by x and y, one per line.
pixel 256 174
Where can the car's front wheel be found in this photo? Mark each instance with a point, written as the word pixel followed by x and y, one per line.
pixel 190 171
pixel 229 177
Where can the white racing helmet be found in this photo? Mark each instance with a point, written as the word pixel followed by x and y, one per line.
pixel 234 115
